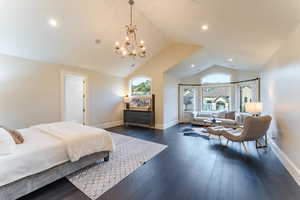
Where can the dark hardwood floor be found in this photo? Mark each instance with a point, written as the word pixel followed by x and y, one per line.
pixel 192 168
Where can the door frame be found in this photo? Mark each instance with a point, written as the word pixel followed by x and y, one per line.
pixel 62 94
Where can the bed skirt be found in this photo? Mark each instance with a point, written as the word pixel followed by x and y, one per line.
pixel 31 183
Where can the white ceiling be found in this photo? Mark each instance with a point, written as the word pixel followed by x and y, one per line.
pixel 25 32
pixel 247 31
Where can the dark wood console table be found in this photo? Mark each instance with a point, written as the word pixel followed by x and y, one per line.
pixel 136 117
pixel 139 118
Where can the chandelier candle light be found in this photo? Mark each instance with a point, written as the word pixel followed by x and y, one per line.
pixel 131 47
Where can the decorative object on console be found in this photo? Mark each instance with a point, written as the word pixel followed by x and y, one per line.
pixel 141 102
pixel 254 107
pixel 131 47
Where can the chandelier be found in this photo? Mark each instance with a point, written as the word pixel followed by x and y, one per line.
pixel 131 47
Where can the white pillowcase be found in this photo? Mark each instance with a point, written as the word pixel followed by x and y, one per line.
pixel 7 143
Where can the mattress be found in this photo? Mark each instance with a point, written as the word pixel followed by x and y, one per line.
pixel 38 153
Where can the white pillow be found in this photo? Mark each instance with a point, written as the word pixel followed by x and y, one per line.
pixel 7 143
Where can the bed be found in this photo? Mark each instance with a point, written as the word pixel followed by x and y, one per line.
pixel 51 152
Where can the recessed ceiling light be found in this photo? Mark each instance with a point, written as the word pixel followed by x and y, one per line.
pixel 52 22
pixel 204 27
pixel 230 59
pixel 192 65
pixel 98 41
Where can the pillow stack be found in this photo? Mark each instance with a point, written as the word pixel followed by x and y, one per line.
pixel 7 143
pixel 8 140
pixel 230 115
pixel 16 135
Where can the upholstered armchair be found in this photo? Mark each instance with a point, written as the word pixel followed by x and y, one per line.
pixel 254 128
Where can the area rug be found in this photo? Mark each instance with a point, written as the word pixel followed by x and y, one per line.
pixel 129 154
pixel 195 132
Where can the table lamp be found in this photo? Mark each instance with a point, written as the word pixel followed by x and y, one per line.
pixel 127 101
pixel 254 107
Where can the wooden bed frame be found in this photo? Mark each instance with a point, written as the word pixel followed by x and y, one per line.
pixel 31 183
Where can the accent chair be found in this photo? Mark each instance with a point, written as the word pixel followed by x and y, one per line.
pixel 254 128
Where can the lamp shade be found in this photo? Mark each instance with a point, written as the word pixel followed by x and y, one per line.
pixel 254 107
pixel 126 99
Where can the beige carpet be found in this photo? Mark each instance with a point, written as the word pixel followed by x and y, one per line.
pixel 129 154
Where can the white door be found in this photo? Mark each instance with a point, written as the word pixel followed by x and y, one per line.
pixel 74 98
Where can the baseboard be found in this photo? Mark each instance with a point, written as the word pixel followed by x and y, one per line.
pixel 286 161
pixel 159 126
pixel 166 125
pixel 110 124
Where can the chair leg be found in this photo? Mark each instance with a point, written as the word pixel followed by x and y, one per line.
pixel 257 144
pixel 220 139
pixel 227 142
pixel 245 148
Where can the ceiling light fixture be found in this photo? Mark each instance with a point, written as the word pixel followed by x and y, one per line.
pixel 131 47
pixel 98 41
pixel 192 65
pixel 230 60
pixel 204 27
pixel 52 22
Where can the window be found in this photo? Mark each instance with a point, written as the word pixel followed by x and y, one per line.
pixel 189 99
pixel 247 94
pixel 216 99
pixel 216 78
pixel 140 87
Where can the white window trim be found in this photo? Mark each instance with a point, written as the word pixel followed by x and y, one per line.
pixel 215 86
pixel 235 95
pixel 238 104
pixel 195 99
pixel 214 74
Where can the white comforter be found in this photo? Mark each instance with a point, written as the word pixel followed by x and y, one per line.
pixel 38 153
pixel 42 150
pixel 79 140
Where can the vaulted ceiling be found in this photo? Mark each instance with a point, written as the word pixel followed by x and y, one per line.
pixel 247 31
pixel 25 32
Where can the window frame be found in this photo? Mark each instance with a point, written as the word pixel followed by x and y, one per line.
pixel 231 96
pixel 256 94
pixel 215 74
pixel 194 99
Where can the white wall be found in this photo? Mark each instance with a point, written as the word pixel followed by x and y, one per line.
pixel 155 69
pixel 30 93
pixel 170 100
pixel 281 96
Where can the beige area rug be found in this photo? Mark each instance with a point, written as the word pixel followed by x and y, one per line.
pixel 129 154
